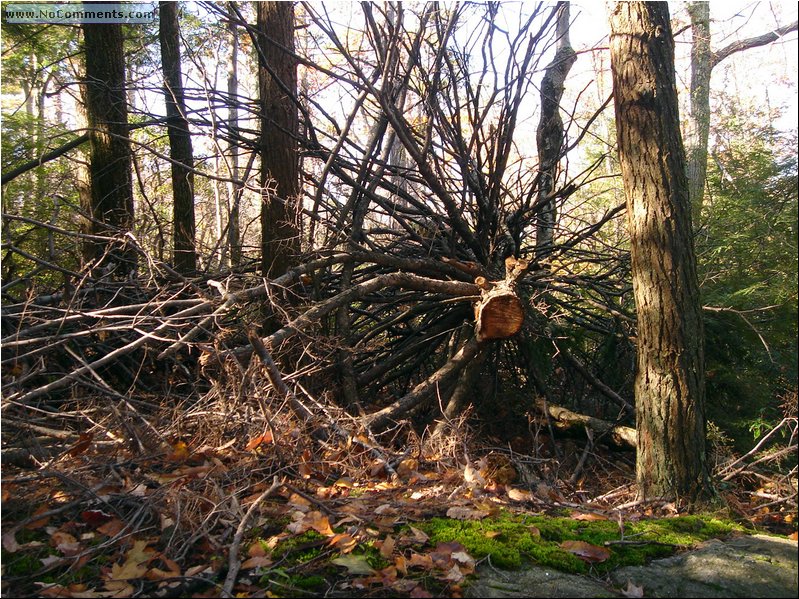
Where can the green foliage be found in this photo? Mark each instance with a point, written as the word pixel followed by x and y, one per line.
pixel 747 265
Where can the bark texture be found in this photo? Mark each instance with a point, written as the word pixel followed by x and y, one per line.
pixel 111 209
pixel 698 128
pixel 277 83
pixel 669 383
pixel 550 135
pixel 180 149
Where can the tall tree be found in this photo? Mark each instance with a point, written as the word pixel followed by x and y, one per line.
pixel 669 381
pixel 550 135
pixel 703 60
pixel 234 189
pixel 180 150
pixel 111 209
pixel 279 180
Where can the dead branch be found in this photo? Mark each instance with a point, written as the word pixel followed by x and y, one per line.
pixel 622 436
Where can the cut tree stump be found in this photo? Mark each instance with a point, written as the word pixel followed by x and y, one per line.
pixel 500 313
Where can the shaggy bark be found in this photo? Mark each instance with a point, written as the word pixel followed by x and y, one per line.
pixel 669 383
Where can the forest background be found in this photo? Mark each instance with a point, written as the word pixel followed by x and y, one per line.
pixel 289 237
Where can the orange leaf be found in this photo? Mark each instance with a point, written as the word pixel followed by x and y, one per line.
pixel 38 523
pixel 344 542
pixel 180 452
pixel 81 445
pixel 418 560
pixel 264 439
pixel 319 523
pixel 585 551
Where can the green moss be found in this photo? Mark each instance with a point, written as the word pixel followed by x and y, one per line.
pixel 510 540
pixel 300 549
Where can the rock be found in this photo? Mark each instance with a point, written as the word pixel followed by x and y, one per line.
pixel 751 566
pixel 533 581
pixel 748 566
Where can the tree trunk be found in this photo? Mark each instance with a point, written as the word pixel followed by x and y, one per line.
pixel 180 149
pixel 277 83
pixel 698 129
pixel 111 209
pixel 669 382
pixel 549 136
pixel 703 60
pixel 234 189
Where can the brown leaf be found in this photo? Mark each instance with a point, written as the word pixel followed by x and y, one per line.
pixel 586 551
pixel 82 444
pixel 387 547
pixel 260 561
pixel 587 517
pixel 465 513
pixel 417 536
pixel 111 528
pixel 41 522
pixel 519 495
pixel 180 452
pixel 419 560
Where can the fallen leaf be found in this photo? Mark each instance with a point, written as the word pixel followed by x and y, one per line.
pixel 794 536
pixel 51 560
pixel 319 523
pixel 343 542
pixel 264 439
pixel 465 513
pixel 587 517
pixel 472 476
pixel 402 564
pixel 419 560
pixel 111 528
pixel 407 467
pixel 180 452
pixel 633 590
pixel 418 536
pixel 10 542
pixel 260 561
pixel 519 495
pixel 355 564
pixel 135 564
pixel 454 574
pixel 65 543
pixel 82 444
pixel 586 551
pixel 42 521
pixel 95 518
pixel 387 547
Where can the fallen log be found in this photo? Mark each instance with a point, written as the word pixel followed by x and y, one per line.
pixel 563 419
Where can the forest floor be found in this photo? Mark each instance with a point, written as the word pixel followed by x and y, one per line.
pixel 270 517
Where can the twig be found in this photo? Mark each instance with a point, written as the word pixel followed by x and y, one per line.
pixel 234 565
